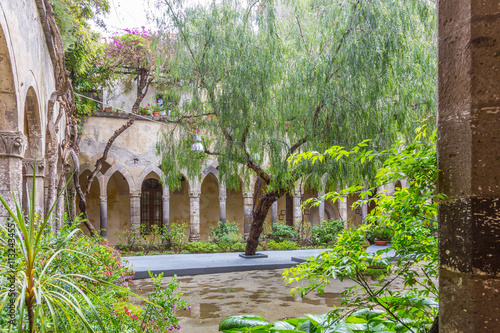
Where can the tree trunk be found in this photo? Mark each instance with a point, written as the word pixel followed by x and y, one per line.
pixel 435 325
pixel 259 215
pixel 143 83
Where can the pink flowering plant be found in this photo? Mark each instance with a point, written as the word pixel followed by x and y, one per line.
pixel 159 315
pixel 137 56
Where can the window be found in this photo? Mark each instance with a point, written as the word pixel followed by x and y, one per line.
pixel 151 204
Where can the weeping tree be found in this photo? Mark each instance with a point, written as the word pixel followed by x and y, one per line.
pixel 267 80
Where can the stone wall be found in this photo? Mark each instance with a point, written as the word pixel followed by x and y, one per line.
pixel 26 85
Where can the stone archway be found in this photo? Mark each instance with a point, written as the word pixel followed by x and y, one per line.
pixel 179 211
pixel 93 201
pixel 33 153
pixel 12 141
pixel 117 207
pixel 209 205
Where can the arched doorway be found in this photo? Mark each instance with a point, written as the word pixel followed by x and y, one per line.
pixel 118 208
pixel 209 205
pixel 33 152
pixel 151 205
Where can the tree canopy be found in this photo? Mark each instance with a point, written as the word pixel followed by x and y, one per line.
pixel 276 78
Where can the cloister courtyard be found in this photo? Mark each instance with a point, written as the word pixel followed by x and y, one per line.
pixel 249 166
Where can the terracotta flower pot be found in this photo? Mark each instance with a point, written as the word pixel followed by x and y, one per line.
pixel 156 114
pixel 381 242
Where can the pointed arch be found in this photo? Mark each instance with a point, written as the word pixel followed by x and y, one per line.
pixel 125 173
pixel 32 125
pixel 9 97
pixel 149 169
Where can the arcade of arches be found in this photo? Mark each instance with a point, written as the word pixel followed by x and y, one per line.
pixel 118 202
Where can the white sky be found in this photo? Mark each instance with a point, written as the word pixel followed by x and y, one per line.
pixel 133 14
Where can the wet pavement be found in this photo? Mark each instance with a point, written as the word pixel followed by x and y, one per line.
pixel 214 263
pixel 214 297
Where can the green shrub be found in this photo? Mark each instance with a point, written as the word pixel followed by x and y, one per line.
pixel 202 247
pixel 382 233
pixel 282 231
pixel 327 231
pixel 284 245
pixel 226 235
pixel 238 247
pixel 175 236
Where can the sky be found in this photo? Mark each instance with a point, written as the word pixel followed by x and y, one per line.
pixel 133 14
pixel 127 14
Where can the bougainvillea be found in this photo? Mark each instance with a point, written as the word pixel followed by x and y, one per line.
pixel 137 57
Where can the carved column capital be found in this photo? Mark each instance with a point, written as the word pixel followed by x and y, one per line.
pixel 247 194
pixel 194 193
pixel 103 199
pixel 29 167
pixel 135 194
pixel 12 144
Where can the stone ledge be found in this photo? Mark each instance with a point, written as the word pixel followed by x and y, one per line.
pixel 255 256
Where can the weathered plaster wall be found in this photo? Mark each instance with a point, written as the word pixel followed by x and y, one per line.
pixel 118 208
pixel 29 58
pixel 209 205
pixel 26 84
pixel 179 204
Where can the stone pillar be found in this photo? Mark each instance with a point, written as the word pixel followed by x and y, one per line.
pixel 469 160
pixel 166 207
pixel 28 174
pixel 194 222
pixel 297 208
pixel 135 211
pixel 248 212
pixel 343 209
pixel 222 204
pixel 12 147
pixel 321 208
pixel 274 212
pixel 104 216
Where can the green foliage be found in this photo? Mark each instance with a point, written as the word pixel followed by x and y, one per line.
pixel 281 231
pixel 283 245
pixel 363 320
pixel 313 74
pixel 165 299
pixel 201 247
pixel 82 46
pixel 382 233
pixel 175 236
pixel 326 232
pixel 226 235
pixel 412 214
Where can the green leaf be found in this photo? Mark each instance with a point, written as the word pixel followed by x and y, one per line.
pixel 242 321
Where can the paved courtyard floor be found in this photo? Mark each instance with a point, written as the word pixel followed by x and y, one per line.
pixel 214 297
pixel 213 263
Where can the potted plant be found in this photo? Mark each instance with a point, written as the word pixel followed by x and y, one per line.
pixel 108 109
pixel 145 110
pixel 156 111
pixel 382 235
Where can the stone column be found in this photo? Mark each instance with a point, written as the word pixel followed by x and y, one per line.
pixel 321 208
pixel 194 222
pixel 469 160
pixel 28 174
pixel 222 204
pixel 248 212
pixel 274 212
pixel 343 208
pixel 166 207
pixel 297 208
pixel 104 215
pixel 135 211
pixel 12 147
